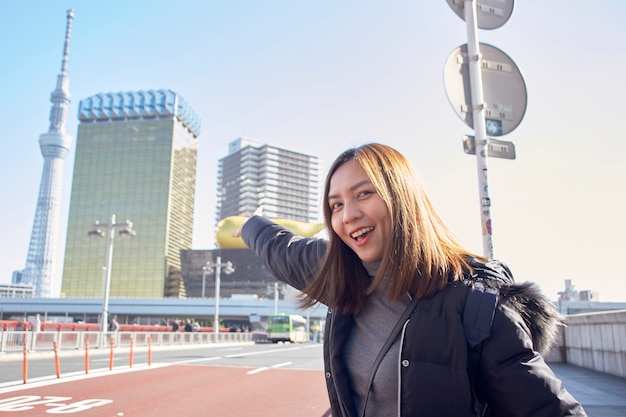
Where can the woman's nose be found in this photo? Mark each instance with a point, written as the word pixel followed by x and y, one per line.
pixel 351 212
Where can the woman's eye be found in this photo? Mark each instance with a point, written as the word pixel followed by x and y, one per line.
pixel 335 206
pixel 365 193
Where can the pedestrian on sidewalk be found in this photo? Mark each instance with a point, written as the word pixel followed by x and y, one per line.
pixel 114 325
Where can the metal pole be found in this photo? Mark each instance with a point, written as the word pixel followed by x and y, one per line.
pixel 204 268
pixel 107 275
pixel 308 324
pixel 480 131
pixel 216 319
pixel 275 298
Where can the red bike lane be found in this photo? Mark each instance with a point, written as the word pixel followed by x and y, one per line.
pixel 175 390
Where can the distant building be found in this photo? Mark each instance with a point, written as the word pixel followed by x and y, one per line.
pixel 249 277
pixel 572 301
pixel 16 290
pixel 16 277
pixel 41 259
pixel 284 182
pixel 588 295
pixel 136 158
pixel 571 294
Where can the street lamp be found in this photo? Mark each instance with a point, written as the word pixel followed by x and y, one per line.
pixel 126 229
pixel 206 269
pixel 217 267
pixel 279 289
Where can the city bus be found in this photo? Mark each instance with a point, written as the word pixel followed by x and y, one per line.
pixel 286 328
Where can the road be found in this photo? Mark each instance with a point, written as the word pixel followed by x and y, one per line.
pixel 301 356
pixel 215 380
pixel 248 380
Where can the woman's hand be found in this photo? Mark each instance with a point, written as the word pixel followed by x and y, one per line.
pixel 237 233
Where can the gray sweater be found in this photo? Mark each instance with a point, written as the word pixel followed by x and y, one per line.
pixel 371 328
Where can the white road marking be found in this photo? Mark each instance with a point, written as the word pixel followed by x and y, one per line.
pixel 265 368
pixel 257 370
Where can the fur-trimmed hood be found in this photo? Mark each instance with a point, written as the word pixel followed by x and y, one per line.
pixel 538 312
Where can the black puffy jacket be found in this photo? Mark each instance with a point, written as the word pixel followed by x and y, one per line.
pixel 512 377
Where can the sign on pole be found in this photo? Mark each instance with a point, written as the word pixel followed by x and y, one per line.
pixel 490 14
pixel 488 93
pixel 495 148
pixel 504 90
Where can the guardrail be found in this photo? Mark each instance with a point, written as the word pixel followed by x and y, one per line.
pixel 48 341
pixel 594 341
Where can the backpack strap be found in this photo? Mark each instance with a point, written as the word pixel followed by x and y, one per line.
pixel 480 307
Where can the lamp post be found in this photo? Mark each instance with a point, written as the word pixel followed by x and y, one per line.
pixel 217 267
pixel 126 229
pixel 277 290
pixel 206 269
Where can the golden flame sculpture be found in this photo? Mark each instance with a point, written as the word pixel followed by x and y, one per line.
pixel 228 225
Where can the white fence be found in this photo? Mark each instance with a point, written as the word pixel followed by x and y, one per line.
pixel 46 341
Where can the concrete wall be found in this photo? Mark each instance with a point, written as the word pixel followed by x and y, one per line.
pixel 595 341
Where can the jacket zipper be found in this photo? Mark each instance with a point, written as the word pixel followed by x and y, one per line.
pixel 400 367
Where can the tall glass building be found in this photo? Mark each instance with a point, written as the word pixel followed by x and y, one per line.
pixel 285 183
pixel 135 158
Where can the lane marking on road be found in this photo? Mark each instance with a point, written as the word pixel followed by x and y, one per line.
pixel 212 358
pixel 257 370
pixel 265 368
pixel 262 352
pixel 280 365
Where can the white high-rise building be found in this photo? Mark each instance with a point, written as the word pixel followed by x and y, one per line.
pixel 253 174
pixel 55 144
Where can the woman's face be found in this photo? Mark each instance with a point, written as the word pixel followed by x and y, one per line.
pixel 359 215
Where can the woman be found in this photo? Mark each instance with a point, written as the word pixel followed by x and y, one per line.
pixel 390 261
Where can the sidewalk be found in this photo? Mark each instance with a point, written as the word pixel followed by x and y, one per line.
pixel 602 395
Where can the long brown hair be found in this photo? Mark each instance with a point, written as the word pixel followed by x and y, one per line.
pixel 421 256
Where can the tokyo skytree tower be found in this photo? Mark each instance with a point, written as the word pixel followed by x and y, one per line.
pixel 55 144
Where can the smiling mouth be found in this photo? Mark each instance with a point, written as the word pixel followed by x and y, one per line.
pixel 361 232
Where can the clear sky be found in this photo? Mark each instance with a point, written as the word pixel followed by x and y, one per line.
pixel 319 77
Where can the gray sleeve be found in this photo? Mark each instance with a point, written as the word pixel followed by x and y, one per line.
pixel 290 258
